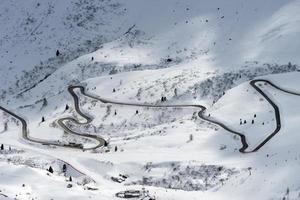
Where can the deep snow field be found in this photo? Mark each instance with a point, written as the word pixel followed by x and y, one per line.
pixel 128 55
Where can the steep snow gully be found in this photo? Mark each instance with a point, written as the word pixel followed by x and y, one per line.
pixel 201 114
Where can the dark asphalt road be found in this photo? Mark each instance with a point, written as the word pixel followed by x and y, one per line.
pixel 201 114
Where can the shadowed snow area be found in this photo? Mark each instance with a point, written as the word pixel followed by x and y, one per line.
pixel 156 100
pixel 207 35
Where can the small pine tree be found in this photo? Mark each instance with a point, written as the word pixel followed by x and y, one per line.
pixel 57 53
pixel 64 169
pixel 50 170
pixel 70 178
pixel 45 102
pixel 252 122
pixel 115 112
pixel 222 181
pixel 2 147
pixel 114 90
pixel 249 169
pixel 67 107
pixel 245 121
pixel 5 126
pixel 136 112
pixel 254 115
pixel 116 148
pixel 43 119
pixel 92 58
pixel 175 92
pixel 105 143
pixel 191 137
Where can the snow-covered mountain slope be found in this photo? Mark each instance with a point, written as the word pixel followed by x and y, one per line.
pixel 204 35
pixel 166 105
pixel 185 155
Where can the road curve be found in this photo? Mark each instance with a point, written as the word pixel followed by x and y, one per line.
pixel 61 122
pixel 201 113
pixel 88 119
pixel 25 135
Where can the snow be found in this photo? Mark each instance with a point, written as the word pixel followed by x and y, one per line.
pixel 192 52
pixel 168 141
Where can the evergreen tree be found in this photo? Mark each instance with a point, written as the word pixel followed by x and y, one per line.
pixel 252 121
pixel 64 169
pixel 115 112
pixel 43 119
pixel 175 92
pixel 114 90
pixel 254 115
pixel 2 147
pixel 245 121
pixel 70 178
pixel 116 148
pixel 67 107
pixel 57 53
pixel 50 170
pixel 136 112
pixel 5 126
pixel 105 143
pixel 45 102
pixel 92 58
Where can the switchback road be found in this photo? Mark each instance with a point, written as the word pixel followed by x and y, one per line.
pixel 202 108
pixel 201 114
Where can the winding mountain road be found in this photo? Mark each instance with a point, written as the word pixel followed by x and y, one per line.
pixel 61 122
pixel 202 108
pixel 201 114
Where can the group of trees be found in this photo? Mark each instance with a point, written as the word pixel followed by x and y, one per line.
pixel 252 121
pixel 163 99
pixel 136 112
pixel 64 170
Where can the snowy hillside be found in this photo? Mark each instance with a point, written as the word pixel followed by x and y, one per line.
pixel 128 35
pixel 154 100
